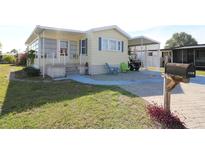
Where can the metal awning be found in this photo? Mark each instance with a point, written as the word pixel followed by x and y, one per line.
pixel 141 40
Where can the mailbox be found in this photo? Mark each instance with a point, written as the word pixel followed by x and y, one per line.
pixel 182 70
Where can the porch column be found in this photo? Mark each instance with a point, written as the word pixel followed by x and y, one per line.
pixel 142 51
pixel 43 56
pixel 39 50
pixel 145 54
pixel 194 57
pixel 53 58
pixel 171 53
pixel 159 57
pixel 58 50
pixel 64 58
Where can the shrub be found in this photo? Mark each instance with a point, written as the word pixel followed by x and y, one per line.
pixel 9 59
pixel 22 59
pixel 165 118
pixel 31 71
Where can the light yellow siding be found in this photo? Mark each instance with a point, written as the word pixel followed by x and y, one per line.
pixel 111 57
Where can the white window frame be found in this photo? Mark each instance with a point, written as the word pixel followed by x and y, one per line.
pixel 109 48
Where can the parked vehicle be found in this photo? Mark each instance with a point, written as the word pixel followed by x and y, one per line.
pixel 134 65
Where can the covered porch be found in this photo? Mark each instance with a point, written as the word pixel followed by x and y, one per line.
pixel 57 50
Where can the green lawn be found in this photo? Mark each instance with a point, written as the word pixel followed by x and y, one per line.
pixel 67 104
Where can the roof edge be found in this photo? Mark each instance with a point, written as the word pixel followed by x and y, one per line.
pixel 142 36
pixel 110 27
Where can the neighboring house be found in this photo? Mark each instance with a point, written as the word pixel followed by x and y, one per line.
pixel 63 51
pixel 188 54
pixel 166 57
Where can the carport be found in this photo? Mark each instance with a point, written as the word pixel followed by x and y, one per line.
pixel 146 50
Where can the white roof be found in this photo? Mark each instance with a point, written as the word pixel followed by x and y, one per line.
pixel 110 27
pixel 59 29
pixel 38 29
pixel 141 40
pixel 191 47
pixel 131 41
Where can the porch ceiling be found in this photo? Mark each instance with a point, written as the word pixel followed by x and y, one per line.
pixel 141 40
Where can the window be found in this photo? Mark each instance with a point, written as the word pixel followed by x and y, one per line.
pixel 150 54
pixel 34 46
pixel 63 48
pixel 84 46
pixel 111 45
pixel 49 46
pixel 73 49
pixel 105 44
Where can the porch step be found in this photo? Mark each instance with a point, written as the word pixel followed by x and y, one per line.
pixel 71 70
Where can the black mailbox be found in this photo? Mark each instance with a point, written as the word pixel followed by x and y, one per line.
pixel 182 70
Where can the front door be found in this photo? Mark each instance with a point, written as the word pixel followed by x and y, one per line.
pixel 63 52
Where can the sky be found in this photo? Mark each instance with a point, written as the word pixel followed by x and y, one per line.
pixel 137 17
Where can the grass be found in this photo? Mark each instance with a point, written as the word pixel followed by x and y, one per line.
pixel 67 104
pixel 198 72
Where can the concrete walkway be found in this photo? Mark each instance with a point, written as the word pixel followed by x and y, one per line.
pixel 188 100
pixel 90 80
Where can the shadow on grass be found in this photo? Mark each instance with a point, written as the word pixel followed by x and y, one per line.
pixel 22 96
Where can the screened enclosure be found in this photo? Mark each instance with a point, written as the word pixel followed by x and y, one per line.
pixel 192 54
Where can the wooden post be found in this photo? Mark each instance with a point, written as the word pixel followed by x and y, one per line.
pixel 170 83
pixel 167 95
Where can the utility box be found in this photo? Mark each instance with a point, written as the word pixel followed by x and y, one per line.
pixel 185 71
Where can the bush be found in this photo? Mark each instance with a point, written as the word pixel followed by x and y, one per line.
pixel 9 59
pixel 165 118
pixel 22 59
pixel 31 71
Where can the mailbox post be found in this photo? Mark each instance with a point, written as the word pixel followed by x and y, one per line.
pixel 174 74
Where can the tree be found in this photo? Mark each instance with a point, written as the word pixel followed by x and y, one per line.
pixel 31 56
pixel 0 45
pixel 179 40
pixel 9 59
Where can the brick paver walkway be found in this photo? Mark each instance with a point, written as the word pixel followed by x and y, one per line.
pixel 188 100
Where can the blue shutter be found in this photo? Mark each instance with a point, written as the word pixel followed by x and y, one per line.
pixel 99 43
pixel 122 46
pixel 79 47
pixel 86 46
